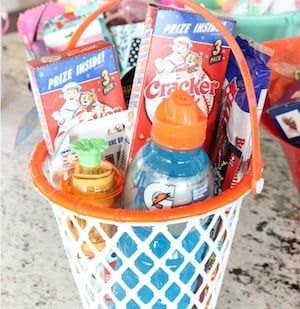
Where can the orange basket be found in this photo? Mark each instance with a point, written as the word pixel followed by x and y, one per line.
pixel 285 56
pixel 113 277
pixel 292 153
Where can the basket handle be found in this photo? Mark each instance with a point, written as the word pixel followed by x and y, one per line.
pixel 256 165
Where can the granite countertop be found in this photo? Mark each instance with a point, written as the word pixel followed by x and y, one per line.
pixel 263 269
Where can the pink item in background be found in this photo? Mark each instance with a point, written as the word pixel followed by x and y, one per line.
pixel 29 22
pixel 172 3
pixel 4 21
pixel 127 12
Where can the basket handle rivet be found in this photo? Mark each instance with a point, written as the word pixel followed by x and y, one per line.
pixel 259 185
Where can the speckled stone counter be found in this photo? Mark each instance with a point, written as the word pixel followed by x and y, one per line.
pixel 263 269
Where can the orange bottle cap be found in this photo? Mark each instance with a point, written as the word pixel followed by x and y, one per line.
pixel 179 123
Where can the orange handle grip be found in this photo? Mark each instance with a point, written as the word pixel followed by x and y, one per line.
pixel 256 165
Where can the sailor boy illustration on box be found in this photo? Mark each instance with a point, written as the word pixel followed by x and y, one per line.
pixel 176 59
pixel 78 106
pixel 63 116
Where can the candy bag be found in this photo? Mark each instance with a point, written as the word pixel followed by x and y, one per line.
pixel 29 25
pixel 233 145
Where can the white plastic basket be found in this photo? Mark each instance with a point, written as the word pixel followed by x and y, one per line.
pixel 133 271
pixel 171 258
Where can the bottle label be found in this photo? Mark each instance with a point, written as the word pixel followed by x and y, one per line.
pixel 159 196
pixel 201 191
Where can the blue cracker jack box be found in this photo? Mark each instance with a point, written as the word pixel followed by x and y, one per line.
pixel 75 86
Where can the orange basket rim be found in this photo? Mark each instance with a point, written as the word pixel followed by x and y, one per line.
pixel 84 208
pixel 251 181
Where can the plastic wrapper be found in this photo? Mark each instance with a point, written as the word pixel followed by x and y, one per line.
pixel 127 39
pixel 56 32
pixel 27 124
pixel 285 62
pixel 285 65
pixel 283 88
pixel 233 146
pixel 30 26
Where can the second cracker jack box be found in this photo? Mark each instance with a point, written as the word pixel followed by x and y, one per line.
pixel 179 50
pixel 75 86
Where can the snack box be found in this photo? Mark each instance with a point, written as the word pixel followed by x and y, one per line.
pixel 75 86
pixel 180 50
pixel 286 114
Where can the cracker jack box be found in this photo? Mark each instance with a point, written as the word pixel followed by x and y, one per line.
pixel 179 50
pixel 75 86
